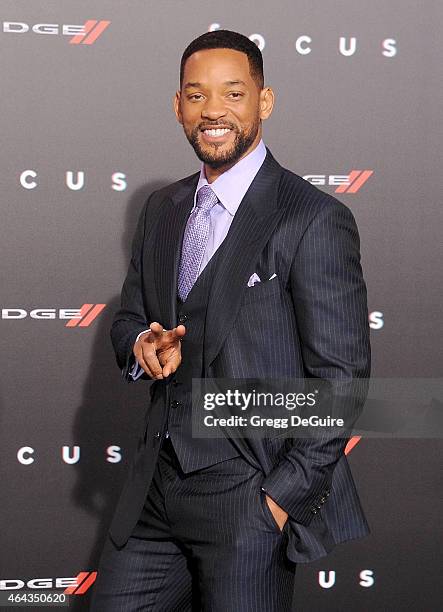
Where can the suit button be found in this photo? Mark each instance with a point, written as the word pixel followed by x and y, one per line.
pixel 314 511
pixel 175 404
pixel 182 319
pixel 157 435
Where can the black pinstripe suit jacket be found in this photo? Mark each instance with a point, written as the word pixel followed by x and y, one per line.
pixel 310 321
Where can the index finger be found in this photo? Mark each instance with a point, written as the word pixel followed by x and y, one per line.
pixel 171 335
pixel 179 331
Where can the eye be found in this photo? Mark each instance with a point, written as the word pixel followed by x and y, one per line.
pixel 195 97
pixel 235 95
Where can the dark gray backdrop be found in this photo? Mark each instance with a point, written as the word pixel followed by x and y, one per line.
pixel 106 108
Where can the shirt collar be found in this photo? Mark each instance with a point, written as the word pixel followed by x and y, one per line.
pixel 231 186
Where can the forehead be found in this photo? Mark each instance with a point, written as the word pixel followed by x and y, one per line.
pixel 217 65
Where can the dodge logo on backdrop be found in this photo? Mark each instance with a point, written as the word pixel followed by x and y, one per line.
pixel 77 317
pixel 346 183
pixel 85 34
pixel 77 585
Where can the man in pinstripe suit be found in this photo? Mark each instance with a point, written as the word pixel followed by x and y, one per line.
pixel 243 270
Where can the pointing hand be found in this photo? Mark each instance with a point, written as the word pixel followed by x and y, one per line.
pixel 159 351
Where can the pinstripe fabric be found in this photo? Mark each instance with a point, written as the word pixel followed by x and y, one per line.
pixel 208 538
pixel 311 320
pixel 194 453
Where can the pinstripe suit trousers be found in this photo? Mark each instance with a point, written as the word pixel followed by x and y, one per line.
pixel 205 540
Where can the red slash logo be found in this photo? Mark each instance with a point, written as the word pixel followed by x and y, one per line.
pixel 356 179
pixel 83 581
pixel 93 29
pixel 352 442
pixel 88 312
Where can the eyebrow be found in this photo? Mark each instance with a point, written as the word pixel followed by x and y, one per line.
pixel 196 84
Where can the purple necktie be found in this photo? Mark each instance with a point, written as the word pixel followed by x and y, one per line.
pixel 195 240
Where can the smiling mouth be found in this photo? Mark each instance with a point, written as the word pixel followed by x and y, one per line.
pixel 216 132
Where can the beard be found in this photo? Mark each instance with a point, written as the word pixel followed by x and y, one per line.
pixel 217 159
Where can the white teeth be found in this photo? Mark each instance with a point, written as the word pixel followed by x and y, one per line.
pixel 217 132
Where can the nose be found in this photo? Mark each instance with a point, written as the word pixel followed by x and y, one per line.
pixel 213 109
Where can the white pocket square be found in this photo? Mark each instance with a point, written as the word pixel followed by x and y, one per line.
pixel 254 278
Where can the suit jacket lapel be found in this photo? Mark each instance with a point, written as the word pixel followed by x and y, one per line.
pixel 168 247
pixel 251 228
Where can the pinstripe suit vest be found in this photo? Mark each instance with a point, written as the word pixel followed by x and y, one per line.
pixel 193 453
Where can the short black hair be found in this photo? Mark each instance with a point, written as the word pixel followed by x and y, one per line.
pixel 226 39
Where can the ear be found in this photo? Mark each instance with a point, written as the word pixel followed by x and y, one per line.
pixel 267 99
pixel 177 109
